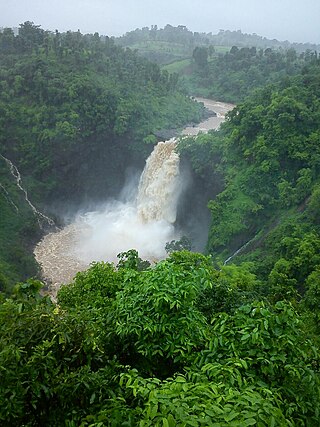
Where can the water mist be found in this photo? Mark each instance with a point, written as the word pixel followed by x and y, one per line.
pixel 142 219
pixel 145 223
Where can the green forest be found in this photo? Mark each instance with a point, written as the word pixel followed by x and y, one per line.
pixel 233 75
pixel 165 44
pixel 229 337
pixel 226 66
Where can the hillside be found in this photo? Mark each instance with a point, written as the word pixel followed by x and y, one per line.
pixel 227 66
pixel 267 156
pixel 165 45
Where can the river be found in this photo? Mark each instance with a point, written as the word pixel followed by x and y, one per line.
pixel 213 122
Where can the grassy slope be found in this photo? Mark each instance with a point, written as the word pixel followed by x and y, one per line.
pixel 169 54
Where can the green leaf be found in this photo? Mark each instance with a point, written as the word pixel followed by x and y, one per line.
pixel 165 422
pixel 230 416
pixel 245 337
pixel 180 379
pixel 250 422
pixel 92 398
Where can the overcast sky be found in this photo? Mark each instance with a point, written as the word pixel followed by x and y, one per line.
pixel 281 19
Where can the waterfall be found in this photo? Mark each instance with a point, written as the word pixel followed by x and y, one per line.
pixel 159 184
pixel 238 251
pixel 41 218
pixel 144 223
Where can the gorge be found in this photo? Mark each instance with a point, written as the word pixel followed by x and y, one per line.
pixel 143 216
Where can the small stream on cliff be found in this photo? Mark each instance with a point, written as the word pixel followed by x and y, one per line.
pixel 142 218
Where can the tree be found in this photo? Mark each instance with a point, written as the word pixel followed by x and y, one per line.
pixel 156 315
pixel 200 56
pixel 30 36
pixel 7 41
pixel 234 50
pixel 178 245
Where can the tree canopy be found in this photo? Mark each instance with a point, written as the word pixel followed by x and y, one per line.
pixel 138 347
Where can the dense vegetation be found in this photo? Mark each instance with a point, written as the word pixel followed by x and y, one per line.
pixel 66 95
pixel 235 74
pixel 170 43
pixel 178 344
pixel 19 231
pixel 226 66
pixel 72 107
pixel 267 154
pixel 191 340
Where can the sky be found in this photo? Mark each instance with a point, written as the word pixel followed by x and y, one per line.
pixel 296 21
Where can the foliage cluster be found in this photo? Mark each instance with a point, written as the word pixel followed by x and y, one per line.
pixel 235 74
pixel 130 347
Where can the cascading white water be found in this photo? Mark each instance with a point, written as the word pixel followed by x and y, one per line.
pixel 41 218
pixel 159 186
pixel 145 223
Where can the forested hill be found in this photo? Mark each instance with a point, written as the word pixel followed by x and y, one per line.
pixel 70 94
pixel 233 75
pixel 181 35
pixel 226 66
pixel 75 111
